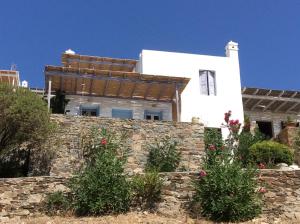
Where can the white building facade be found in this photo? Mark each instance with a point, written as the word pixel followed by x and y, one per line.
pixel 159 86
pixel 214 86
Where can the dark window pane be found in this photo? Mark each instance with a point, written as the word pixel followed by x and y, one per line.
pixel 156 118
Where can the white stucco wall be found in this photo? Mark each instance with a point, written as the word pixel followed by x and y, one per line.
pixel 107 104
pixel 210 109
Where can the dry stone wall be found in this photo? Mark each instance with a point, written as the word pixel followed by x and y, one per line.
pixel 68 152
pixel 20 197
pixel 24 196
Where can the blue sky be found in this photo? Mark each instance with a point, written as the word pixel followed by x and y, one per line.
pixel 35 33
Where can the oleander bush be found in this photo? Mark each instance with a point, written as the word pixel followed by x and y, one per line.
pixel 164 156
pixel 147 190
pixel 224 191
pixel 270 153
pixel 102 187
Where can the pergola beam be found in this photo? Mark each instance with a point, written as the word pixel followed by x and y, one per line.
pixel 273 101
pixel 292 107
pixel 147 91
pixel 279 98
pixel 280 106
pixel 105 78
pixel 76 82
pixel 258 102
pixel 246 101
pixel 268 105
pixel 105 88
pixel 161 92
pixel 133 88
pixel 91 86
pixel 119 89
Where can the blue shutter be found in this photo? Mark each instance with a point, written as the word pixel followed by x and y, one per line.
pixel 123 114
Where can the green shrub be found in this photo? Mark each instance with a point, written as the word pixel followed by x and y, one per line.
pixel 147 190
pixel 224 190
pixel 24 117
pixel 163 156
pixel 24 126
pixel 271 153
pixel 246 140
pixel 213 136
pixel 102 187
pixel 57 202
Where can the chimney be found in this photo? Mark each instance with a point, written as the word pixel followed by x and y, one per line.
pixel 69 51
pixel 232 49
pixel 24 84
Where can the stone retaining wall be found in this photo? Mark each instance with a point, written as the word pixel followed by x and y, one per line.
pixel 68 153
pixel 24 196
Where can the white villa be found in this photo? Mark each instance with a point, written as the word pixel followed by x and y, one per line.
pixel 167 86
pixel 158 86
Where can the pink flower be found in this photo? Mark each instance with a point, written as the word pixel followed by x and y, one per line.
pixel 103 141
pixel 212 147
pixel 202 173
pixel 261 166
pixel 262 190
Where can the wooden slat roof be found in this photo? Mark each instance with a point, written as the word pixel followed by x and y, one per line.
pixel 100 63
pixel 278 101
pixel 122 84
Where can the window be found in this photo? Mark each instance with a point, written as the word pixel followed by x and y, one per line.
pixel 153 115
pixel 207 83
pixel 89 110
pixel 123 114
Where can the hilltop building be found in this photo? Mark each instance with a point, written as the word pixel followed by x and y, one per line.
pixel 168 86
pixel 158 86
pixel 10 77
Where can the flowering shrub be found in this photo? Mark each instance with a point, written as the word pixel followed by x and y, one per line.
pixel 99 139
pixel 102 187
pixel 224 190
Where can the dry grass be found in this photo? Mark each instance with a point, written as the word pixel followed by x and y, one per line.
pixel 131 218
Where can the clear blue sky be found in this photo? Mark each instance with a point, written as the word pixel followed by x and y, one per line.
pixel 34 33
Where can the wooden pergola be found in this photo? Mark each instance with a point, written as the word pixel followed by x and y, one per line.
pixel 82 78
pixel 98 63
pixel 277 101
pixel 10 77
